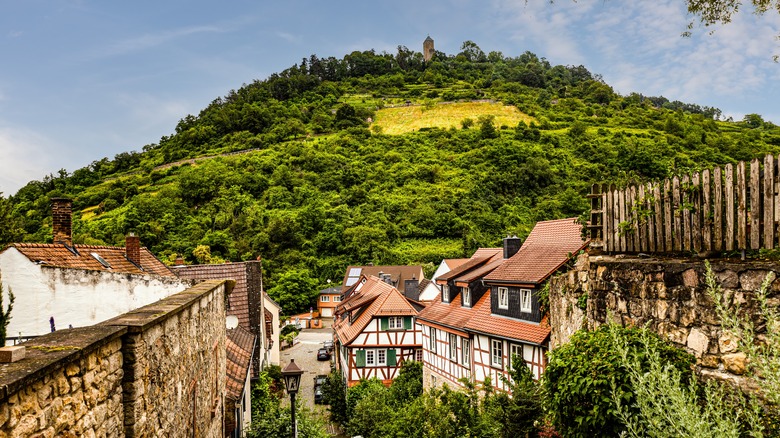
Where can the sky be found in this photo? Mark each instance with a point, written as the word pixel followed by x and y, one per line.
pixel 81 79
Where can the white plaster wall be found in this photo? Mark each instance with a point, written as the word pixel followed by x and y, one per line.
pixel 275 354
pixel 430 292
pixel 441 270
pixel 74 296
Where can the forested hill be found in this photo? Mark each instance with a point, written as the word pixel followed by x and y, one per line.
pixel 382 158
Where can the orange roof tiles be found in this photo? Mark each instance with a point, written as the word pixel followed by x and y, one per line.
pixel 480 257
pixel 238 345
pixel 370 299
pixel 545 250
pixel 398 274
pixel 55 254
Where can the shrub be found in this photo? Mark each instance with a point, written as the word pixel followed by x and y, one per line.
pixel 582 376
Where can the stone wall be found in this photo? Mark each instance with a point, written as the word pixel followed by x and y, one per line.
pixel 174 363
pixel 669 295
pixel 156 371
pixel 69 384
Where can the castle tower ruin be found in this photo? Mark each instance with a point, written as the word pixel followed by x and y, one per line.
pixel 428 49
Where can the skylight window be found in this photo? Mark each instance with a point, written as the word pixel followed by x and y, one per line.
pixel 353 276
pixel 101 260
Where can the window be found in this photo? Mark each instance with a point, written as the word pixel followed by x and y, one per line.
pixel 466 352
pixel 445 293
pixel 325 298
pixel 337 298
pixel 503 298
pixel 497 353
pixel 515 350
pixel 525 300
pixel 418 355
pixel 370 358
pixel 395 322
pixel 466 296
pixel 453 347
pixel 432 340
pixel 381 357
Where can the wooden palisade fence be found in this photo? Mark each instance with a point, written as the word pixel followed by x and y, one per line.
pixel 734 208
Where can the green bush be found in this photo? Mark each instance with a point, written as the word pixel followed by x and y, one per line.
pixel 584 377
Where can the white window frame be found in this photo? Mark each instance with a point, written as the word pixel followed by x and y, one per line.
pixel 324 298
pixel 445 293
pixel 395 322
pixel 466 296
pixel 525 300
pixel 466 351
pixel 453 341
pixel 370 358
pixel 381 357
pixel 497 353
pixel 503 297
pixel 515 350
pixel 432 340
pixel 337 298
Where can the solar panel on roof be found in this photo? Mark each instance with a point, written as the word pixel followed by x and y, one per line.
pixel 351 281
pixel 354 272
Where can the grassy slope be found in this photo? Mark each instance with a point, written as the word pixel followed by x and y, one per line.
pixel 403 119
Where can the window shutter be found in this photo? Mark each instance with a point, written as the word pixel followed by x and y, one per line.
pixel 407 322
pixel 383 323
pixel 391 357
pixel 360 358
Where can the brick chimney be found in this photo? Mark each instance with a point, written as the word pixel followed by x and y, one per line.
pixel 61 210
pixel 133 249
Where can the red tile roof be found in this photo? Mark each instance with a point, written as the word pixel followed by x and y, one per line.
pixel 56 254
pixel 484 322
pixel 450 314
pixel 481 257
pixel 370 299
pixel 397 274
pixel 238 345
pixel 239 298
pixel 545 250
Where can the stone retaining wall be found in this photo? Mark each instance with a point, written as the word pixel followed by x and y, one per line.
pixel 669 295
pixel 156 371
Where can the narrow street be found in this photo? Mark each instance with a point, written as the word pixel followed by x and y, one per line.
pixel 305 354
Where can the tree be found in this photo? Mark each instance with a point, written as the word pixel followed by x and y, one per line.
pixel 269 418
pixel 295 291
pixel 486 128
pixel 334 393
pixel 5 315
pixel 518 412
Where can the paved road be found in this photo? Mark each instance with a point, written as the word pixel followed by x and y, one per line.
pixel 305 354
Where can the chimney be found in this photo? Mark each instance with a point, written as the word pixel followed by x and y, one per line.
pixel 511 246
pixel 179 261
pixel 61 210
pixel 133 249
pixel 410 289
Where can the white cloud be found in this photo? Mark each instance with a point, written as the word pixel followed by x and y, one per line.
pixel 24 158
pixel 290 38
pixel 150 40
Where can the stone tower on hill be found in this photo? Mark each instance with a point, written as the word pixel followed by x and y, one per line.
pixel 428 48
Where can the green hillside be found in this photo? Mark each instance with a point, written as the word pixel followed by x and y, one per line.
pixel 297 175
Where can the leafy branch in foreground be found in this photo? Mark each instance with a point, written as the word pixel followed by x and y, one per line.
pixel 761 343
pixel 5 315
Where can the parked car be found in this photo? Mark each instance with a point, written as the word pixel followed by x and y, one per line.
pixel 328 345
pixel 323 354
pixel 318 382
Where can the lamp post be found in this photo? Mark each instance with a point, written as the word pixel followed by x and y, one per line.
pixel 292 381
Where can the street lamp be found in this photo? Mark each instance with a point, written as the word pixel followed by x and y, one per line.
pixel 292 381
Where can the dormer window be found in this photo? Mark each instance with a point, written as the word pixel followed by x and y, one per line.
pixel 525 300
pixel 503 298
pixel 445 293
pixel 101 260
pixel 466 291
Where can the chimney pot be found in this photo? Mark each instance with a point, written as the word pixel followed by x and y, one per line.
pixel 133 249
pixel 61 212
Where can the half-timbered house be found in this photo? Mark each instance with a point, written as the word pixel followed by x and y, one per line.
pixel 488 310
pixel 376 331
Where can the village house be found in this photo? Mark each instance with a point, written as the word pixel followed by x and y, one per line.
pixel 375 331
pixel 489 308
pixel 404 278
pixel 60 285
pixel 240 347
pixel 327 302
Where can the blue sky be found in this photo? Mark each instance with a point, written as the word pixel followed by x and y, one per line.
pixel 81 80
